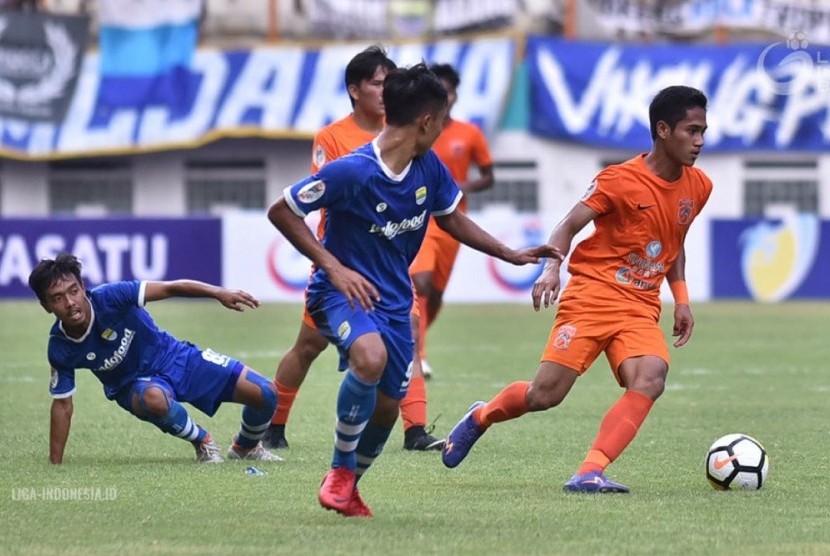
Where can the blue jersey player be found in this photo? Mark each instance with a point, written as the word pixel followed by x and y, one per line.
pixel 144 369
pixel 378 200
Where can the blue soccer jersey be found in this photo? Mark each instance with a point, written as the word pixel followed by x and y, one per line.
pixel 375 219
pixel 121 344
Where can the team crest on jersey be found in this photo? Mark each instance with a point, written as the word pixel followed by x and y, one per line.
pixel 589 191
pixel 564 336
pixel 684 213
pixel 344 330
pixel 109 334
pixel 319 156
pixel 421 195
pixel 310 192
pixel 90 356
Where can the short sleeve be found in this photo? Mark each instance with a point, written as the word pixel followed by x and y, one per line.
pixel 121 295
pixel 597 196
pixel 322 189
pixel 481 151
pixel 447 195
pixel 62 383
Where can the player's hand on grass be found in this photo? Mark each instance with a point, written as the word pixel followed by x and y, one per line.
pixel 683 324
pixel 547 286
pixel 237 299
pixel 355 287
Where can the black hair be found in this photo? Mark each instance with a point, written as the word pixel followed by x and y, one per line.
pixel 49 271
pixel 364 65
pixel 411 92
pixel 447 73
pixel 671 105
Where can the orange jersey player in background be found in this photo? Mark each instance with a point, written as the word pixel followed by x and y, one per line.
pixel 642 210
pixel 365 74
pixel 459 145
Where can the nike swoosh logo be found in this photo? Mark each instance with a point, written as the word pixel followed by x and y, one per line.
pixel 643 207
pixel 720 462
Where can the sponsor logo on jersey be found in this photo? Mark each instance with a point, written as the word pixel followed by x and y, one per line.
pixel 109 334
pixel 90 356
pixel 654 249
pixel 391 229
pixel 119 354
pixel 381 207
pixel 563 338
pixel 624 275
pixel 54 381
pixel 344 330
pixel 684 211
pixel 310 192
pixel 421 195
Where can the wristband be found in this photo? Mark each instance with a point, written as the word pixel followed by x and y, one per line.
pixel 680 292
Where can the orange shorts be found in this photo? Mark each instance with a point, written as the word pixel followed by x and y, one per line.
pixel 578 336
pixel 414 313
pixel 437 255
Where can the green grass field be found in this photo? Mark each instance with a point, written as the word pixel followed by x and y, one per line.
pixel 759 369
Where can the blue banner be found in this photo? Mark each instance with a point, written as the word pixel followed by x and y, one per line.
pixel 761 97
pixel 112 249
pixel 286 91
pixel 771 260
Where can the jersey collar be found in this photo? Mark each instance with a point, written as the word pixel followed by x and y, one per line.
pixel 386 170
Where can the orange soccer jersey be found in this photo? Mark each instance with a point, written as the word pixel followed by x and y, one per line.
pixel 612 301
pixel 459 144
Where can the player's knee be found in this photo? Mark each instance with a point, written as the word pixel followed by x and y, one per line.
pixel 267 389
pixel 154 402
pixel 369 364
pixel 540 398
pixel 650 384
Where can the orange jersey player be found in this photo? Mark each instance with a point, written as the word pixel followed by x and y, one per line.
pixel 642 210
pixel 365 74
pixel 459 146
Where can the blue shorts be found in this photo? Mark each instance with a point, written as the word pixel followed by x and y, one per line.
pixel 203 378
pixel 342 325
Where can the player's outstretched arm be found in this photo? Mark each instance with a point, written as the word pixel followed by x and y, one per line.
pixel 458 225
pixel 232 299
pixel 352 284
pixel 60 421
pixel 547 286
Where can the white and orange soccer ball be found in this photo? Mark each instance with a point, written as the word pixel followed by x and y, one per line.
pixel 737 462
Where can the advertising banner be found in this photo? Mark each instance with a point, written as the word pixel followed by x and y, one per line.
pixel 771 260
pixel 761 97
pixel 112 249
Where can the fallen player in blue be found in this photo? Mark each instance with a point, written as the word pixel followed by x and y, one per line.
pixel 144 369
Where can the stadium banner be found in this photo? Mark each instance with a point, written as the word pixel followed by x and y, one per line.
pixel 761 97
pixel 260 260
pixel 771 259
pixel 690 17
pixel 40 57
pixel 146 49
pixel 111 249
pixel 279 91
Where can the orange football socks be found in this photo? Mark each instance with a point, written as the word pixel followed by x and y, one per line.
pixel 285 399
pixel 618 429
pixel 414 405
pixel 507 404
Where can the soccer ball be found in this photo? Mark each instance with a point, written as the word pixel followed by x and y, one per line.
pixel 737 461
